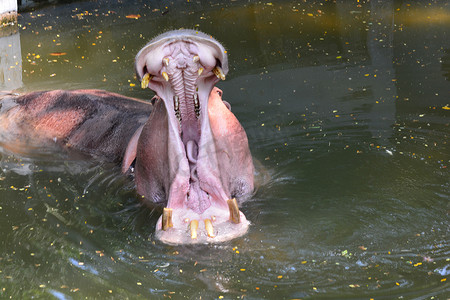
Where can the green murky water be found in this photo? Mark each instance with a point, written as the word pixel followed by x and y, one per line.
pixel 345 104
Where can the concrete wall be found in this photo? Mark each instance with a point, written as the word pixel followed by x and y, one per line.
pixel 10 62
pixel 10 52
pixel 8 12
pixel 8 5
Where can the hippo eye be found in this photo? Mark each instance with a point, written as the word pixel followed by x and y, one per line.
pixel 220 93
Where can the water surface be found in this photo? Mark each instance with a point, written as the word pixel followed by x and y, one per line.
pixel 345 104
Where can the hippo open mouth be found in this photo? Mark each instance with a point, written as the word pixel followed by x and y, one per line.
pixel 192 154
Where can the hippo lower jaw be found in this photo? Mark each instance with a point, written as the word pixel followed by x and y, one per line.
pixel 207 150
pixel 214 225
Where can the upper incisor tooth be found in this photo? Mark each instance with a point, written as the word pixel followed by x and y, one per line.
pixel 194 227
pixel 209 228
pixel 166 76
pixel 166 61
pixel 196 58
pixel 200 71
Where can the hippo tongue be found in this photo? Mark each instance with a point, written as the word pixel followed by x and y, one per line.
pixel 182 67
pixel 197 199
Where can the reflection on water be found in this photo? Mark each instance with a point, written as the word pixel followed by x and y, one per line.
pixel 347 106
pixel 11 59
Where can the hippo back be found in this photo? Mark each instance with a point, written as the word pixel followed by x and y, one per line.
pixel 94 122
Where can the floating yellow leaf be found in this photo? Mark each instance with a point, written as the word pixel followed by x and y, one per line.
pixel 58 53
pixel 133 17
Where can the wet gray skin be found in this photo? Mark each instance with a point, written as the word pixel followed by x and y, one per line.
pixel 192 154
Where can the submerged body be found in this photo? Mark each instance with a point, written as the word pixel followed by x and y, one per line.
pixel 191 154
pixel 94 122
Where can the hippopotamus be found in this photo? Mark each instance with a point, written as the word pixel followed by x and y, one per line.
pixel 186 149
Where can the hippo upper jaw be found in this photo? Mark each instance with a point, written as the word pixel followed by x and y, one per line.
pixel 208 159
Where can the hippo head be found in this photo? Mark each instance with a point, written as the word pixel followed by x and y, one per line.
pixel 192 155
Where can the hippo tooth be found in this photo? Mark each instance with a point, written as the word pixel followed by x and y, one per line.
pixel 196 106
pixel 196 58
pixel 166 76
pixel 235 216
pixel 219 73
pixel 209 228
pixel 200 71
pixel 146 80
pixel 194 227
pixel 166 61
pixel 167 219
pixel 176 107
pixel 176 103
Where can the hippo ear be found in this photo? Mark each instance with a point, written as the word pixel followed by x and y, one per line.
pixel 228 105
pixel 130 152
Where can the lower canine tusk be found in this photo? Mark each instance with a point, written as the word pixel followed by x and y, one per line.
pixel 235 216
pixel 209 228
pixel 194 227
pixel 167 219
